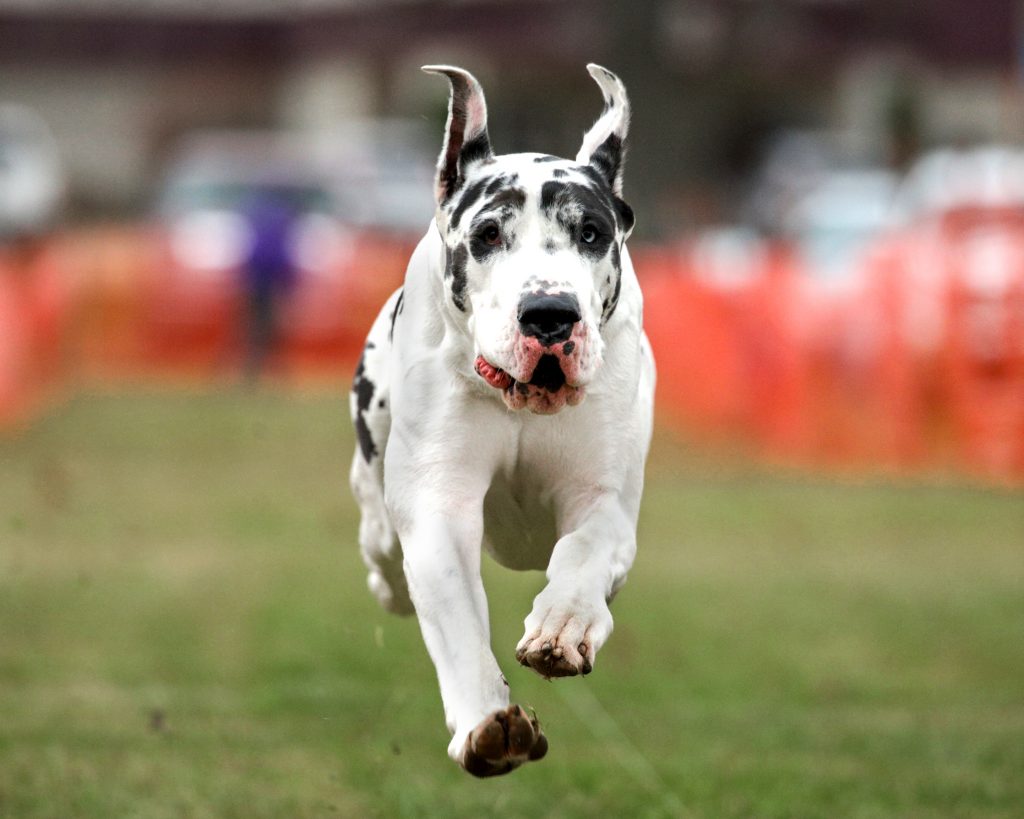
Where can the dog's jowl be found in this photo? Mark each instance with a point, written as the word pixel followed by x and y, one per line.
pixel 503 402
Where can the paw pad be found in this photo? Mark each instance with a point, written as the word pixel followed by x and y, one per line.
pixel 502 742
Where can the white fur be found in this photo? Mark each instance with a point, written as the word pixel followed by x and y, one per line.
pixel 457 471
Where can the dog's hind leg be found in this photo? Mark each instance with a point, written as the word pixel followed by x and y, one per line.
pixel 371 416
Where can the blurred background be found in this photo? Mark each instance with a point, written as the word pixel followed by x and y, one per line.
pixel 202 207
pixel 830 198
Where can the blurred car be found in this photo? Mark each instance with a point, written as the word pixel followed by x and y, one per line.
pixel 31 177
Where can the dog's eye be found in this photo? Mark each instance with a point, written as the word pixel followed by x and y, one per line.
pixel 588 234
pixel 491 235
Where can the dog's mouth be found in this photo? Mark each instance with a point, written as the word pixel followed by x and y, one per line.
pixel 545 392
pixel 547 375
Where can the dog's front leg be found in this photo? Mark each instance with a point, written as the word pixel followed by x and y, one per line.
pixel 441 542
pixel 442 566
pixel 570 620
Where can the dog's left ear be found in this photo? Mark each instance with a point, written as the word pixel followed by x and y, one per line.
pixel 465 137
pixel 604 145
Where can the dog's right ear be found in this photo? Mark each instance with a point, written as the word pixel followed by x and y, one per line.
pixel 465 139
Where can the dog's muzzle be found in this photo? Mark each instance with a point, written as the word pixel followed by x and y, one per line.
pixel 547 354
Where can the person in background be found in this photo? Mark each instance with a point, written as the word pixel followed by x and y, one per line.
pixel 269 274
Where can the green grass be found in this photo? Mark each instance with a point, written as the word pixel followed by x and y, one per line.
pixel 185 632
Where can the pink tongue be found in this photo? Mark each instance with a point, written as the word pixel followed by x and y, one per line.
pixel 491 374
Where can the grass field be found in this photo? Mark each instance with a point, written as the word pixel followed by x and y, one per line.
pixel 185 632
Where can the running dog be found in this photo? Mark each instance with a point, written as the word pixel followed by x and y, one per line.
pixel 504 402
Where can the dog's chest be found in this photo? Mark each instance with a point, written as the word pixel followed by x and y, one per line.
pixel 521 505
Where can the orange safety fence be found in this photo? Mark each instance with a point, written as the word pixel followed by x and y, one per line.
pixel 327 319
pixel 916 362
pixel 34 299
pixel 116 305
pixel 198 323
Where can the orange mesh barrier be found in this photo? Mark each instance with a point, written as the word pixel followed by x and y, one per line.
pixel 13 349
pixel 34 304
pixel 916 362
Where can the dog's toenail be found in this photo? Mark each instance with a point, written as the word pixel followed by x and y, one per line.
pixel 557 652
pixel 546 648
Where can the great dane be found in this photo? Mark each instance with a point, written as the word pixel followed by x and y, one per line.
pixel 504 402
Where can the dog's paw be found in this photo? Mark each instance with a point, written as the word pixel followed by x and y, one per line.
pixel 502 742
pixel 562 641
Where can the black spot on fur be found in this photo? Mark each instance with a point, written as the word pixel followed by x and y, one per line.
pixel 363 436
pixel 548 192
pixel 399 304
pixel 607 158
pixel 574 205
pixel 509 198
pixel 547 158
pixel 594 175
pixel 610 303
pixel 625 214
pixel 540 286
pixel 363 388
pixel 455 267
pixel 501 208
pixel 468 199
pixel 549 246
pixel 479 147
pixel 559 173
pixel 501 181
pixel 595 201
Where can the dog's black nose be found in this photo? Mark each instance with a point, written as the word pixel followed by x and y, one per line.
pixel 549 318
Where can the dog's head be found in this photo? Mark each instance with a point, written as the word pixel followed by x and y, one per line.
pixel 533 245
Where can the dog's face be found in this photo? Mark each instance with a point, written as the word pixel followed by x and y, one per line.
pixel 533 244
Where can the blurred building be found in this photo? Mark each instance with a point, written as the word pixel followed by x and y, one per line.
pixel 120 82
